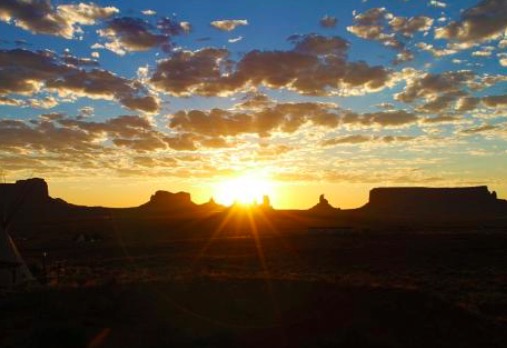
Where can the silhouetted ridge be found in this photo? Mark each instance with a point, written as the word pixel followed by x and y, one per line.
pixel 428 201
pixel 212 206
pixel 163 200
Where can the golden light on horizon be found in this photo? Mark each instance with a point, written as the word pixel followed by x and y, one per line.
pixel 246 189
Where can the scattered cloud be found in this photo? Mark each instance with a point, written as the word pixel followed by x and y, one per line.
pixel 149 12
pixel 328 22
pixel 236 39
pixel 29 72
pixel 483 22
pixel 392 31
pixel 127 34
pixel 361 139
pixel 438 4
pixel 41 17
pixel 437 52
pixel 228 24
pixel 316 65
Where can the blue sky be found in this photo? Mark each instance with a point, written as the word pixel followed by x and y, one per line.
pixel 334 96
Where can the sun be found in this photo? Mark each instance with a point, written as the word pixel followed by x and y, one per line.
pixel 246 189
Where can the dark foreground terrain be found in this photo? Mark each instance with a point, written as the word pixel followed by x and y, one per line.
pixel 445 288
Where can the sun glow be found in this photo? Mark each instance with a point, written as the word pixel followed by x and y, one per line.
pixel 247 189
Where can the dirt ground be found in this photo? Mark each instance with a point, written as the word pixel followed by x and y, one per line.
pixel 358 290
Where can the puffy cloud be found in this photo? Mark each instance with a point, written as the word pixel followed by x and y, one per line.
pixel 403 56
pixel 228 24
pixel 43 18
pixel 392 31
pixel 467 103
pixel 266 119
pixel 372 25
pixel 485 21
pixel 200 72
pixel 437 52
pixel 316 65
pixel 57 144
pixel 328 22
pixel 44 103
pixel 430 86
pixel 127 34
pixel 282 117
pixel 502 59
pixel 186 26
pixel 19 136
pixel 409 26
pixel 483 52
pixel 27 72
pixel 448 91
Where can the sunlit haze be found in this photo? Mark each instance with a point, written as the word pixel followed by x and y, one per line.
pixel 246 189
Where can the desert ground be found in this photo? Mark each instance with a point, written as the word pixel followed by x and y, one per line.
pixel 302 288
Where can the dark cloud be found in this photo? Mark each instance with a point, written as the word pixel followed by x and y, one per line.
pixel 449 91
pixel 77 61
pixel 10 101
pixel 485 21
pixel 316 65
pixel 280 118
pixel 27 72
pixel 127 34
pixel 373 25
pixel 389 118
pixel 481 129
pixel 42 17
pixel 200 72
pixel 350 139
pixel 467 103
pixel 495 101
pixel 56 133
pixel 361 138
pixel 430 86
pixel 441 119
pixel 392 31
pixel 283 117
pixel 328 22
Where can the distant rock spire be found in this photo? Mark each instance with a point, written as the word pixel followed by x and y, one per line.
pixel 323 207
pixel 266 204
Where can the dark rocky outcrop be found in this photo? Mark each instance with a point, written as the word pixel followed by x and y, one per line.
pixel 29 197
pixel 423 201
pixel 164 200
pixel 34 190
pixel 323 207
pixel 211 206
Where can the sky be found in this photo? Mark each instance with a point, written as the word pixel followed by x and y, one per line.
pixel 112 100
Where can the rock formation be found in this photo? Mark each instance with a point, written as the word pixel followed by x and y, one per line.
pixel 423 201
pixel 164 200
pixel 323 207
